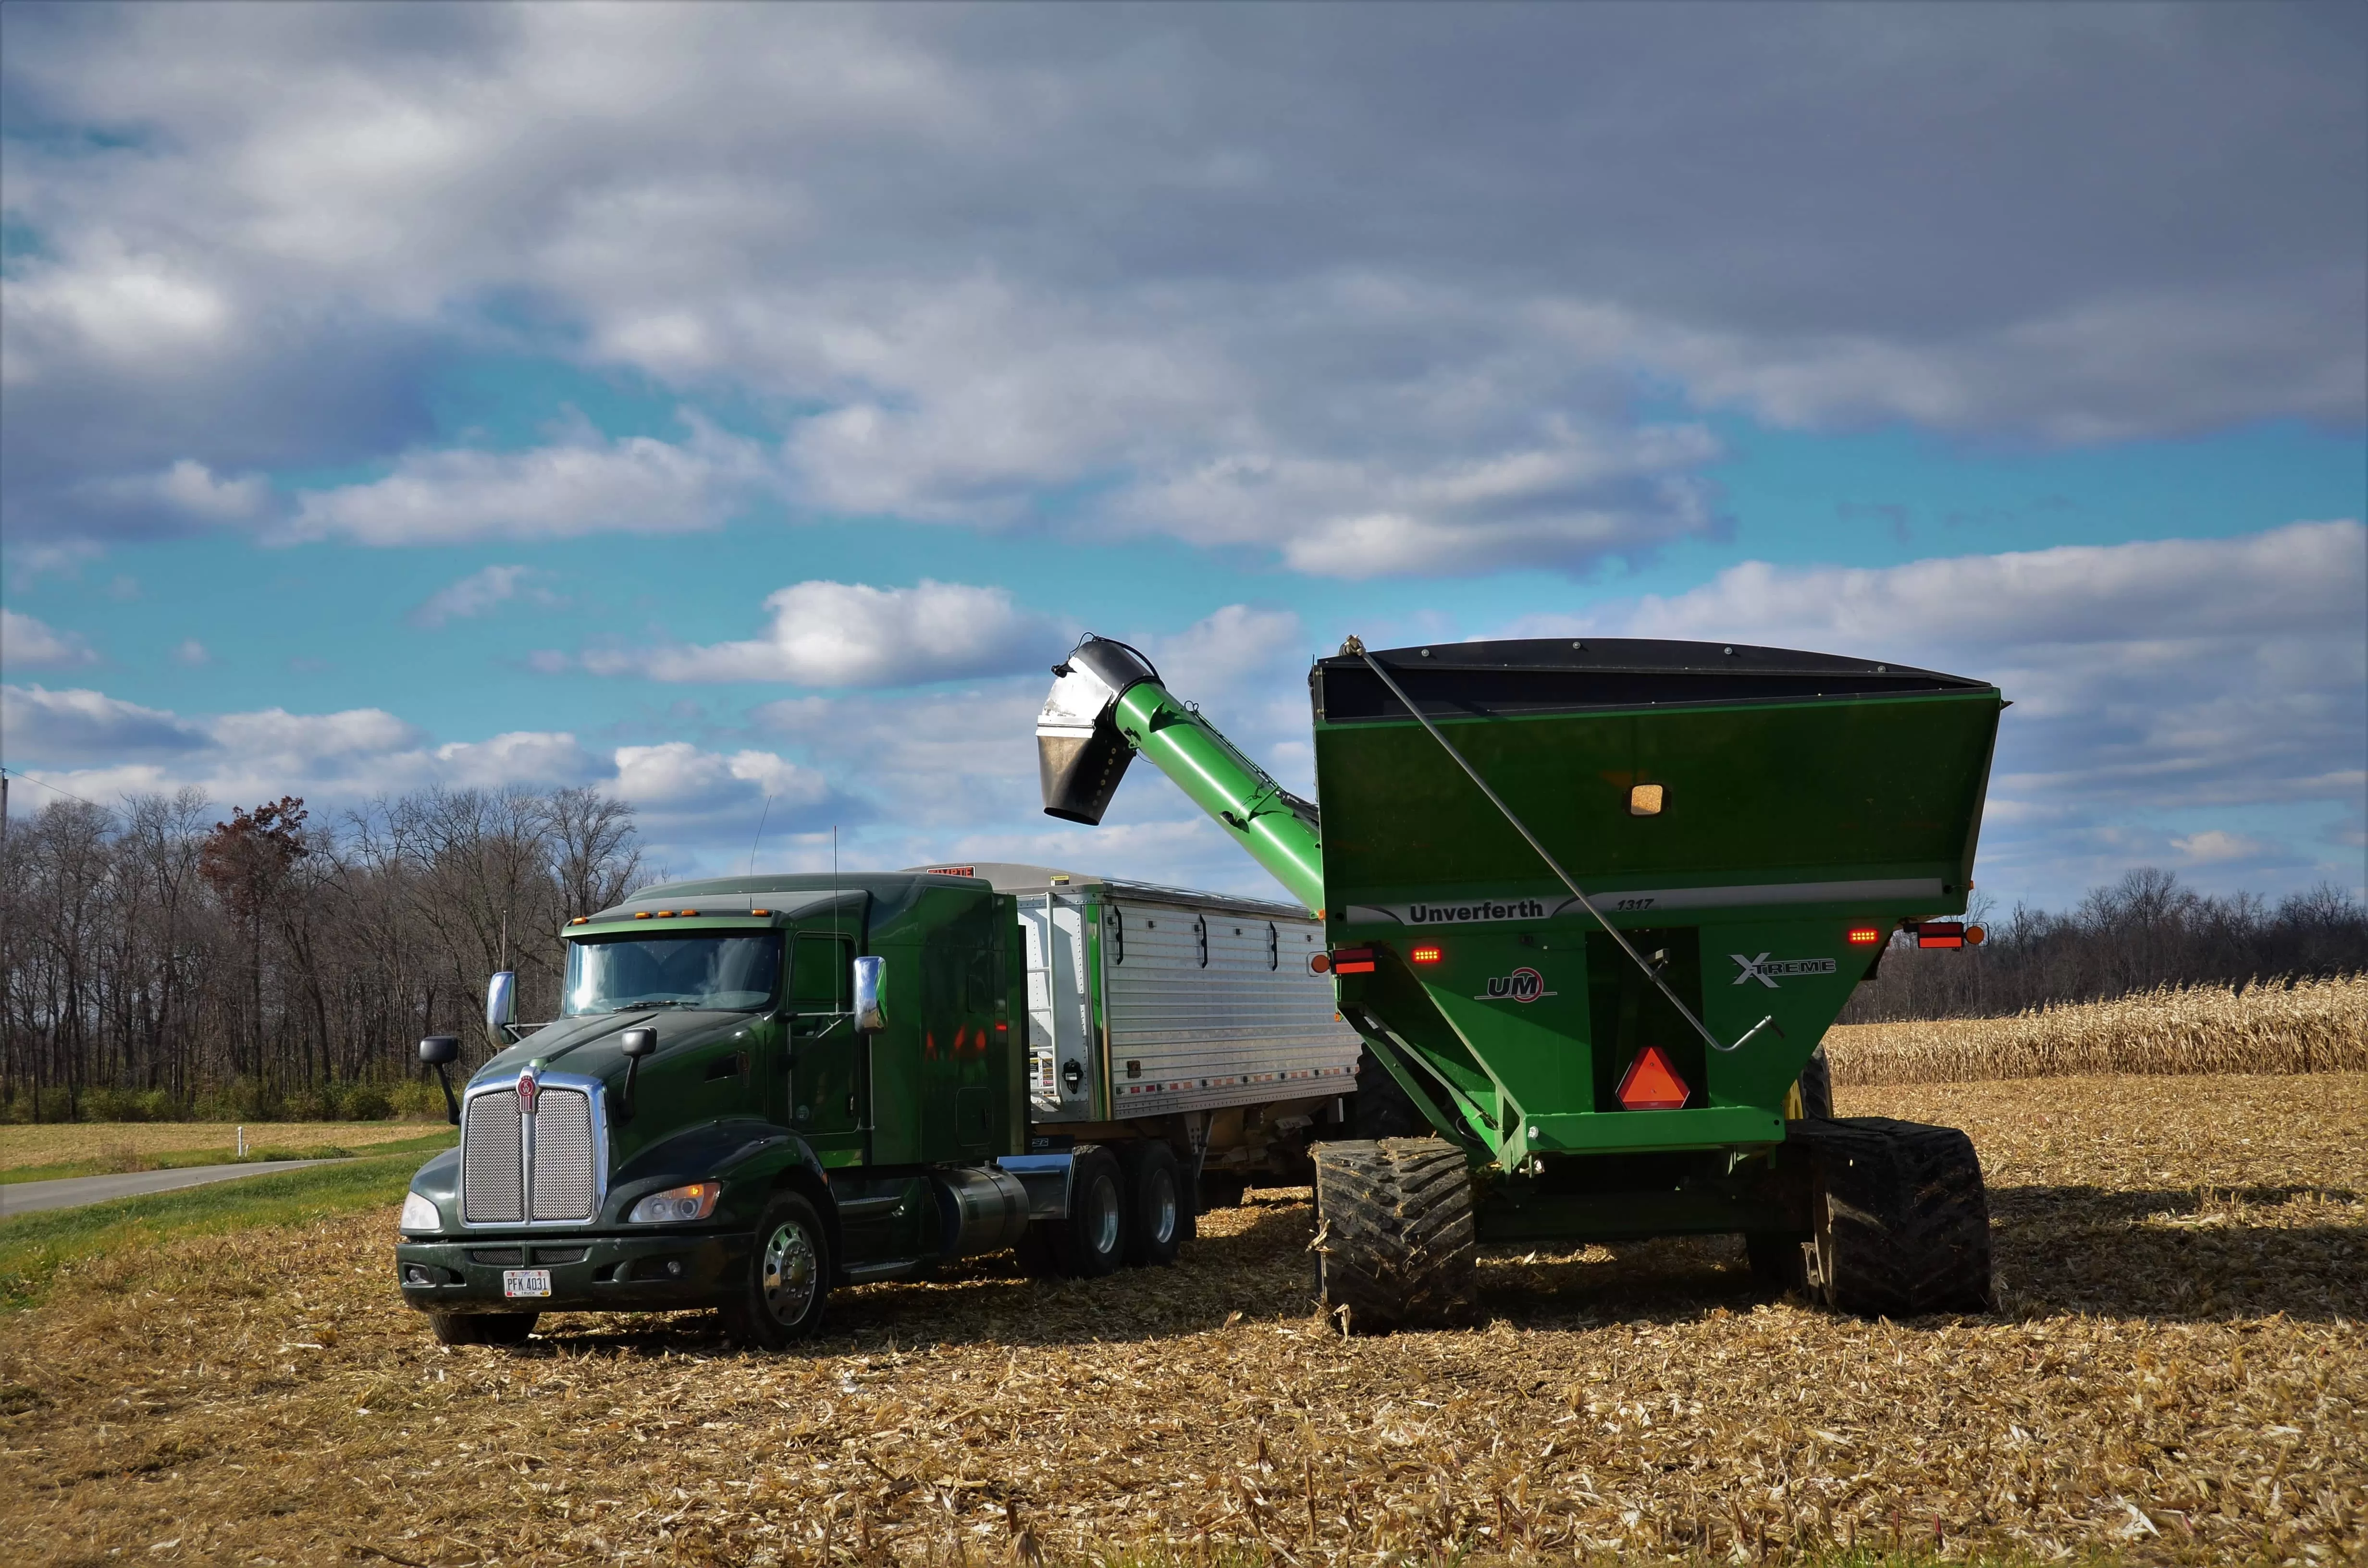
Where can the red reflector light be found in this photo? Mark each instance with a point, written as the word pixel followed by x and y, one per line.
pixel 1427 953
pixel 1651 1084
pixel 1353 960
pixel 1865 936
pixel 1975 936
pixel 1320 964
pixel 1940 933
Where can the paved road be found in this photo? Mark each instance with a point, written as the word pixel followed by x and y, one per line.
pixel 31 1196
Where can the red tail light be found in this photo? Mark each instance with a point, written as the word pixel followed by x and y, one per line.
pixel 1427 953
pixel 1940 933
pixel 1865 936
pixel 1651 1084
pixel 1353 960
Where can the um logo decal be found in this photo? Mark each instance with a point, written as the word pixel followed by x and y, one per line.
pixel 1524 985
pixel 1768 973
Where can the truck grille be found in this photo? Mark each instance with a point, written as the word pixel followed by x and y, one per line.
pixel 564 1187
pixel 496 1187
pixel 493 1164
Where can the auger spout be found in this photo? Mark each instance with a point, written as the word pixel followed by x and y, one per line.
pixel 1107 704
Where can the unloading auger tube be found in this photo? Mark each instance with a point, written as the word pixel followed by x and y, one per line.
pixel 1107 704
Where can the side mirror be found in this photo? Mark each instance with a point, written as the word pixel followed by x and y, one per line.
pixel 501 1002
pixel 436 1051
pixel 636 1044
pixel 870 984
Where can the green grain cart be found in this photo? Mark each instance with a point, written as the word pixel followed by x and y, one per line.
pixel 1592 906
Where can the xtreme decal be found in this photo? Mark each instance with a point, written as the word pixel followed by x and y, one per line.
pixel 1768 973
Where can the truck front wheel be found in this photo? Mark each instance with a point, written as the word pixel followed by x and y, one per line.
pixel 789 1277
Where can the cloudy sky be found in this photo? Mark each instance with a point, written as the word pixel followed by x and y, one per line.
pixel 739 407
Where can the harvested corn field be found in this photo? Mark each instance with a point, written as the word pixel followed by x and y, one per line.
pixel 2176 1372
pixel 2311 1026
pixel 140 1145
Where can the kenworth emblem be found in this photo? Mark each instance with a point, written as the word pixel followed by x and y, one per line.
pixel 526 1092
pixel 1768 973
pixel 1524 985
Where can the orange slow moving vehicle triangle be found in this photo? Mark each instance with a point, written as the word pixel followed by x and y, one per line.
pixel 1651 1084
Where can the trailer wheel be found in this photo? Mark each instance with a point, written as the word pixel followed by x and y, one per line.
pixel 482 1328
pixel 1381 1108
pixel 1156 1210
pixel 788 1283
pixel 1815 1089
pixel 1394 1234
pixel 1901 1223
pixel 1092 1241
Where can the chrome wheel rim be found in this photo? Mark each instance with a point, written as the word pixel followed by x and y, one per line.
pixel 1106 1215
pixel 1163 1224
pixel 790 1272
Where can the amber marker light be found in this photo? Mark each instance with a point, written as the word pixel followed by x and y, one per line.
pixel 1319 963
pixel 760 912
pixel 1427 953
pixel 642 915
pixel 1865 936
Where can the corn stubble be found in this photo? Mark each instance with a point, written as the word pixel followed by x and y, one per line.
pixel 2311 1026
pixel 2176 1373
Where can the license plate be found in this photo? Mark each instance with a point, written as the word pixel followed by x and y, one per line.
pixel 526 1281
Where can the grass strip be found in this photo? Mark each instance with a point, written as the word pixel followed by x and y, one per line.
pixel 192 1159
pixel 35 1248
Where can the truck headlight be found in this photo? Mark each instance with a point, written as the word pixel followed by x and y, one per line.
pixel 419 1213
pixel 676 1204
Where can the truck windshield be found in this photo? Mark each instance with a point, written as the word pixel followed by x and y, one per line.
pixel 733 973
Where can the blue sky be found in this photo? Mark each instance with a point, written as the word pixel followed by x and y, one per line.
pixel 398 398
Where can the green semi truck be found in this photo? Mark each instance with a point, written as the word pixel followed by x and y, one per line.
pixel 762 1087
pixel 1592 904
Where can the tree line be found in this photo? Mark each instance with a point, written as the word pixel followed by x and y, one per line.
pixel 2142 932
pixel 158 961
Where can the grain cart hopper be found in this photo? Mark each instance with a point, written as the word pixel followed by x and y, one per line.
pixel 1593 905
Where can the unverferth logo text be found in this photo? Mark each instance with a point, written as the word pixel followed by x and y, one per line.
pixel 1485 909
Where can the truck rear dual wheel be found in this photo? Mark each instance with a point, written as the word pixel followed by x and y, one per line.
pixel 1157 1217
pixel 1394 1234
pixel 781 1298
pixel 482 1328
pixel 1092 1242
pixel 1900 1219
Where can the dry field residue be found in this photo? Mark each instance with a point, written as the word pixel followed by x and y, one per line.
pixel 128 1143
pixel 2177 1373
pixel 2313 1025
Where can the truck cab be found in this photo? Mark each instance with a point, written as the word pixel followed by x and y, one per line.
pixel 757 1089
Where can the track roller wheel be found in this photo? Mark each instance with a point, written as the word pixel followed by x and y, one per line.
pixel 1901 1224
pixel 1394 1234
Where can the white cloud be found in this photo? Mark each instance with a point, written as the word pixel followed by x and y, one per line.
pixel 480 593
pixel 192 653
pixel 2172 681
pixel 1381 306
pixel 836 634
pixel 28 643
pixel 80 724
pixel 584 484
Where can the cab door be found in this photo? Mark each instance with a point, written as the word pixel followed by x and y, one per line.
pixel 830 1086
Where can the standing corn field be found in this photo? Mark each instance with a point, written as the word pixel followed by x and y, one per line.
pixel 2311 1026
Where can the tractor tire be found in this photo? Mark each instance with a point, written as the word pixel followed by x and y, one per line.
pixel 1900 1221
pixel 1816 1088
pixel 1156 1211
pixel 1381 1108
pixel 482 1328
pixel 1394 1234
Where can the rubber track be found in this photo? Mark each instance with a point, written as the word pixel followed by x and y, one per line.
pixel 1394 1232
pixel 1908 1219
